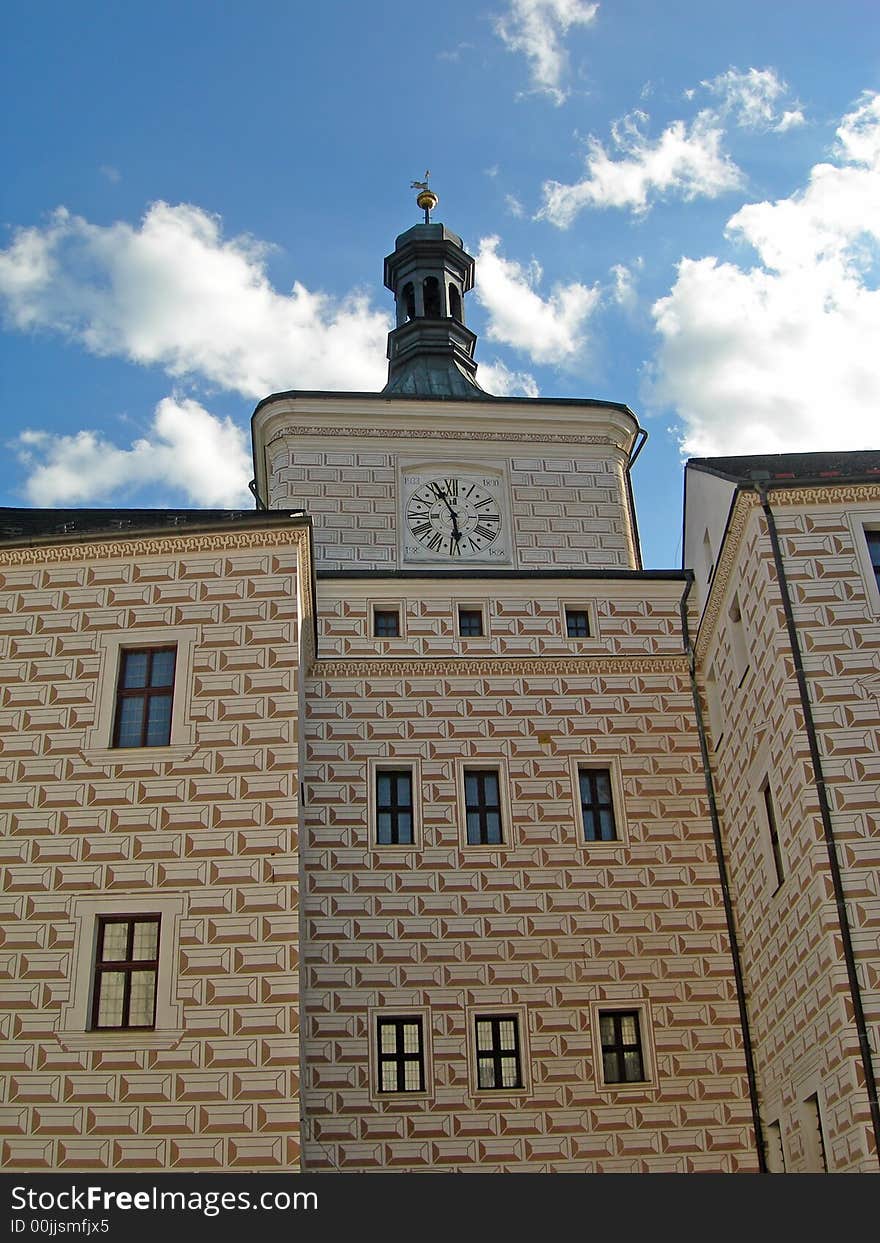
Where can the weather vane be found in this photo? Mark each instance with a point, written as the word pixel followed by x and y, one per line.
pixel 426 198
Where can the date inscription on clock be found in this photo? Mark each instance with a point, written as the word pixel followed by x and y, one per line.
pixel 454 516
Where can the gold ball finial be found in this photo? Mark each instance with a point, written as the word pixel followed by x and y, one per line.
pixel 426 198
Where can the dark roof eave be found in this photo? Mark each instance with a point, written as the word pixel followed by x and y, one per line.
pixel 261 519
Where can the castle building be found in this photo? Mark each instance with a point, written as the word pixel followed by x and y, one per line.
pixel 408 823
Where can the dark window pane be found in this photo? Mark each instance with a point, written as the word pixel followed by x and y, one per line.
pixel 144 698
pixel 131 722
pixel 387 623
pixel 134 669
pixel 482 807
pixel 162 671
pixel 394 808
pixel 159 721
pixel 621 1047
pixel 470 622
pixel 577 624
pixel 597 806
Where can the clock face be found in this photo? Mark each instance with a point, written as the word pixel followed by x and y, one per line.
pixel 454 516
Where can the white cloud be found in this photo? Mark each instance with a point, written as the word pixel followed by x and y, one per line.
pixel 549 330
pixel 187 450
pixel 514 206
pixel 623 290
pixel 686 160
pixel 751 98
pixel 177 294
pixel 537 28
pixel 498 379
pixel 783 355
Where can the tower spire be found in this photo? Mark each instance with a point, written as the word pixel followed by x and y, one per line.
pixel 430 350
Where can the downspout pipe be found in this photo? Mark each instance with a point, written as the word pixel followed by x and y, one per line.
pixel 825 813
pixel 638 444
pixel 748 1049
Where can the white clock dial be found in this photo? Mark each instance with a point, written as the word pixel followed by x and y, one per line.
pixel 453 516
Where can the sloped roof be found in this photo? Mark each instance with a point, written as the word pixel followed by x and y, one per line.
pixel 781 468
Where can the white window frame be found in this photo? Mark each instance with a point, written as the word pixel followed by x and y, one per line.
pixel 580 606
pixel 99 739
pixel 388 606
pixel 642 1007
pixel 394 764
pixel 74 1029
pixel 374 1013
pixel 508 837
pixel 607 763
pixel 476 606
pixel 495 1010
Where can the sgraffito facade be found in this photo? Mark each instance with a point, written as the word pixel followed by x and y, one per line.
pixel 407 823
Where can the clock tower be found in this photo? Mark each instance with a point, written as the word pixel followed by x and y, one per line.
pixel 433 472
pixel 498 772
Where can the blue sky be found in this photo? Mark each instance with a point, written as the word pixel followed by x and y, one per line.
pixel 675 205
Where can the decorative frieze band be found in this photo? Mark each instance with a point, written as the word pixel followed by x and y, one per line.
pixel 153 546
pixel 520 666
pixel 424 433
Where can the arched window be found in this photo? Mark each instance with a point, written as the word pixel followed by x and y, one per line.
pixel 409 301
pixel 431 294
pixel 455 303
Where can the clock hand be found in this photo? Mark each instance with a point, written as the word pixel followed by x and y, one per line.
pixel 456 533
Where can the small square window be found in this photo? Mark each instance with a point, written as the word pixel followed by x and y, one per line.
pixel 498 1052
pixel 386 623
pixel 622 1060
pixel 394 807
pixel 577 623
pixel 597 805
pixel 482 796
pixel 470 623
pixel 144 694
pixel 400 1054
pixel 126 969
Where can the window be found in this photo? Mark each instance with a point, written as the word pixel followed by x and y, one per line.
pixel 773 833
pixel 470 623
pixel 482 796
pixel 126 968
pixel 872 538
pixel 455 303
pixel 621 1046
pixel 386 623
pixel 577 623
pixel 738 645
pixel 400 1054
pixel 144 695
pixel 597 806
pixel 498 1055
pixel 431 296
pixel 394 807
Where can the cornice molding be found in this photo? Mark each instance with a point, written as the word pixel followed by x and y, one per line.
pixel 745 503
pixel 520 666
pixel 152 546
pixel 423 433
